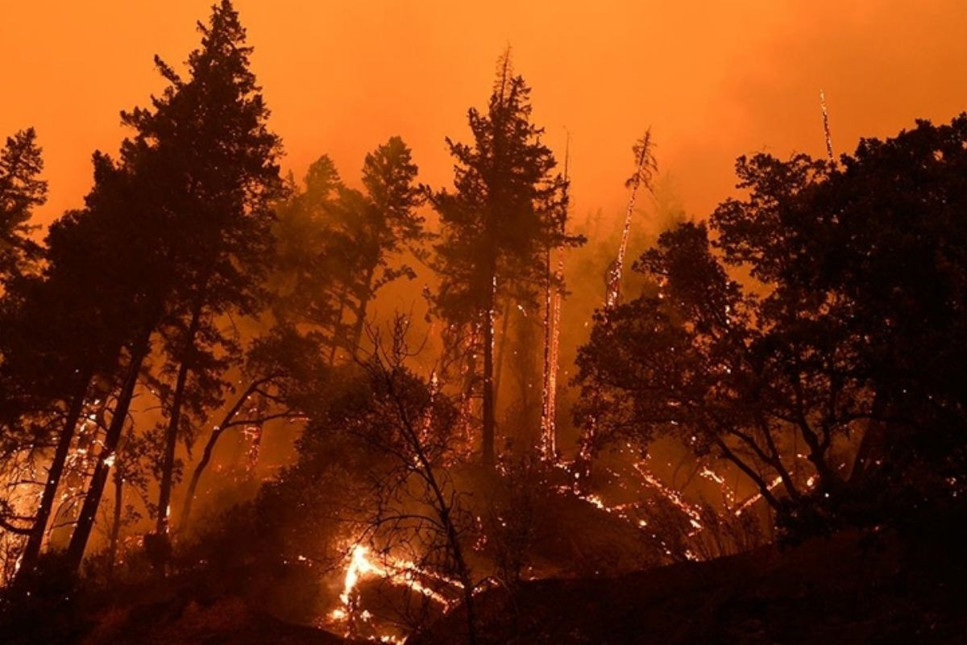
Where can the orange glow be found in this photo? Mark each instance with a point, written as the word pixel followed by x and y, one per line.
pixel 363 563
pixel 713 79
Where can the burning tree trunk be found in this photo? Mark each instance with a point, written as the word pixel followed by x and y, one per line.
pixel 548 447
pixel 171 434
pixel 829 136
pixel 553 281
pixel 645 167
pixel 35 539
pixel 489 421
pixel 552 338
pixel 105 459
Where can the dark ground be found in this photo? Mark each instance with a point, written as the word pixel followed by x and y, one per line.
pixel 894 586
pixel 849 588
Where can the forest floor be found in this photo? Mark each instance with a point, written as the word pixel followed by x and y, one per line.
pixel 852 587
pixel 848 588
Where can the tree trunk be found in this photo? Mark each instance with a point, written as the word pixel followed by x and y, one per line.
pixel 36 538
pixel 547 432
pixel 361 312
pixel 112 551
pixel 85 522
pixel 171 433
pixel 210 449
pixel 488 380
pixel 552 321
pixel 501 352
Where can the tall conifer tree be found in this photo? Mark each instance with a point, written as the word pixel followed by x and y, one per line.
pixel 207 166
pixel 497 221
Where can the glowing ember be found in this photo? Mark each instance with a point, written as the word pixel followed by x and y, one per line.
pixel 397 571
pixel 727 493
pixel 645 166
pixel 829 137
pixel 694 516
pixel 755 498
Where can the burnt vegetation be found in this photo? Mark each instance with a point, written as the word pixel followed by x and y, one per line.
pixel 244 406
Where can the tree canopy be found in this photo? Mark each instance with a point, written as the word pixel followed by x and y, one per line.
pixel 505 210
pixel 838 358
pixel 21 190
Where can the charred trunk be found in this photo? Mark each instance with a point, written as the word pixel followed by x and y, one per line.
pixel 85 522
pixel 174 421
pixel 36 538
pixel 112 550
pixel 489 422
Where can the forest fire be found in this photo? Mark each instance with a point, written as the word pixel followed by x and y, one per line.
pixel 413 375
pixel 363 563
pixel 394 570
pixel 752 499
pixel 694 516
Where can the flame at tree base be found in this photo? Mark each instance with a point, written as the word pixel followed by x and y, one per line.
pixel 363 563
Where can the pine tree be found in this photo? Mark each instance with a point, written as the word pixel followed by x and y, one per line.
pixel 60 345
pixel 339 246
pixel 381 224
pixel 207 167
pixel 21 191
pixel 305 272
pixel 497 222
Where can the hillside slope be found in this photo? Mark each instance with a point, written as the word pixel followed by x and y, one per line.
pixel 849 588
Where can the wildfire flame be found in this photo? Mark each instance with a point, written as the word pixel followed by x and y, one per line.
pixel 363 563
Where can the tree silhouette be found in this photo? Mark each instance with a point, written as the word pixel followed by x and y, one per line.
pixel 286 373
pixel 872 255
pixel 61 345
pixel 206 165
pixel 339 246
pixel 852 326
pixel 382 224
pixel 302 279
pixel 21 190
pixel 496 222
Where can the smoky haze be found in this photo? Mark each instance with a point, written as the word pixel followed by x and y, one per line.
pixel 713 79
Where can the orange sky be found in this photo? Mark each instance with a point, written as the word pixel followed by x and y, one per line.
pixel 714 79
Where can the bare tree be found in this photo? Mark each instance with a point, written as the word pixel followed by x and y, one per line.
pixel 409 422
